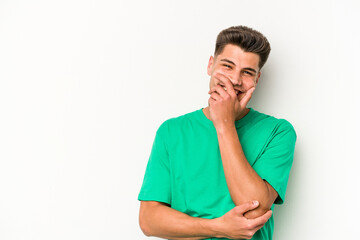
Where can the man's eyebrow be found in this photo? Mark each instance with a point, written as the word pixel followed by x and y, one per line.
pixel 228 61
pixel 231 62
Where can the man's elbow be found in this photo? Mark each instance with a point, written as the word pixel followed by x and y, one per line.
pixel 144 227
pixel 144 219
pixel 264 206
pixel 257 212
pixel 266 197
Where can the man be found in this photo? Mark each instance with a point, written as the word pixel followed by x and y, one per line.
pixel 216 172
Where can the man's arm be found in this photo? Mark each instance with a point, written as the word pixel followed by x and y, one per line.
pixel 243 182
pixel 158 219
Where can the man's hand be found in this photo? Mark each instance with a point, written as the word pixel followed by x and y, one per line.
pixel 224 105
pixel 234 225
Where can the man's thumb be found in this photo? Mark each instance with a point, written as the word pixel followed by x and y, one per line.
pixel 245 207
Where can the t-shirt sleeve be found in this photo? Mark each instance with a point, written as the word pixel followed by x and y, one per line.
pixel 275 163
pixel 156 183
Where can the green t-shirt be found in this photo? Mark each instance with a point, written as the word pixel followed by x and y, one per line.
pixel 185 168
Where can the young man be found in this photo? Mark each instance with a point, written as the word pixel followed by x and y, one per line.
pixel 216 172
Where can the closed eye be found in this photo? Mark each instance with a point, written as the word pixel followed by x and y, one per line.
pixel 248 73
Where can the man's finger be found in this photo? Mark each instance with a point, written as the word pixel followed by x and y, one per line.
pixel 228 84
pixel 219 90
pixel 244 101
pixel 243 208
pixel 260 221
pixel 211 101
pixel 215 96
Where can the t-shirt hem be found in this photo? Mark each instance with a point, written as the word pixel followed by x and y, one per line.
pixel 281 197
pixel 156 199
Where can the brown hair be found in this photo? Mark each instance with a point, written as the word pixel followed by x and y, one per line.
pixel 247 39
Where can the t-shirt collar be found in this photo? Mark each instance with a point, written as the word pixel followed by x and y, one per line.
pixel 238 123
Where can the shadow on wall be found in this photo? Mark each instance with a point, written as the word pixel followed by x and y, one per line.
pixel 284 214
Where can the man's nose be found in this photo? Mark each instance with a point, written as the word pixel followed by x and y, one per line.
pixel 236 80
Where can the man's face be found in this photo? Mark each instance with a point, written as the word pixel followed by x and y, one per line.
pixel 241 68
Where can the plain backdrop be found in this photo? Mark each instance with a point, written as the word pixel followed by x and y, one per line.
pixel 84 85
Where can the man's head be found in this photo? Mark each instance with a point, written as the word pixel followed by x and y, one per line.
pixel 240 53
pixel 247 39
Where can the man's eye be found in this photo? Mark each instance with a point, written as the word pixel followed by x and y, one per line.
pixel 227 66
pixel 248 73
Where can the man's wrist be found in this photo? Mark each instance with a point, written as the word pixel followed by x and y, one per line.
pixel 225 127
pixel 214 227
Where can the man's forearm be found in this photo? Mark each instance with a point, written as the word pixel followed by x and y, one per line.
pixel 243 182
pixel 162 221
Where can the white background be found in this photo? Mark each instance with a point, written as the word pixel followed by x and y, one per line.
pixel 85 84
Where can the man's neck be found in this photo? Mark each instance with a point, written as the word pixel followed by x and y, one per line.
pixel 207 113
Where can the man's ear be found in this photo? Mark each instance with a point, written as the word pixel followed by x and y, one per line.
pixel 257 78
pixel 210 64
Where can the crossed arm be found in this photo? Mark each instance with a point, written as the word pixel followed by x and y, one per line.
pixel 243 182
pixel 158 219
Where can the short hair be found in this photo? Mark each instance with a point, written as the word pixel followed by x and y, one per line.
pixel 248 39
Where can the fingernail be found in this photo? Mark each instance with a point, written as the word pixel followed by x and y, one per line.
pixel 255 203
